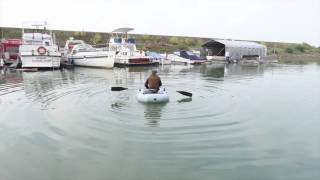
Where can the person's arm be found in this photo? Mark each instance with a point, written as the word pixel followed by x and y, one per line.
pixel 146 84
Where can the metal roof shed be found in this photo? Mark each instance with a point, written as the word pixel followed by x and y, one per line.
pixel 232 50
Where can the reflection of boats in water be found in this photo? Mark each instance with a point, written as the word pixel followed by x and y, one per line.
pixel 10 81
pixel 185 100
pixel 91 72
pixel 240 70
pixel 213 70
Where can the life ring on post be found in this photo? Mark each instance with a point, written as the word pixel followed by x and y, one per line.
pixel 41 50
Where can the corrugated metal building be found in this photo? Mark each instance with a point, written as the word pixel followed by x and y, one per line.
pixel 232 50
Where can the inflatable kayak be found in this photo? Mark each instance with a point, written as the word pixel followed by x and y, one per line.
pixel 151 96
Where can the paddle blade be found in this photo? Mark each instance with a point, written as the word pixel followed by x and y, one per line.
pixel 118 88
pixel 185 93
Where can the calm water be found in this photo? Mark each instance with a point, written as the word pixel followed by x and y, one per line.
pixel 242 123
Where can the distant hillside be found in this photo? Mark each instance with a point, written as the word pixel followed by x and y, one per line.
pixel 165 43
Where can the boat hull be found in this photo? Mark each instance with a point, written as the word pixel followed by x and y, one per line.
pixel 147 96
pixel 40 61
pixel 97 62
pixel 180 60
pixel 121 62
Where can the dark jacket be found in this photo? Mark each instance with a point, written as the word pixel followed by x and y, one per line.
pixel 153 82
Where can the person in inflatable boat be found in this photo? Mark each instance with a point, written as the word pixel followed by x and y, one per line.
pixel 153 82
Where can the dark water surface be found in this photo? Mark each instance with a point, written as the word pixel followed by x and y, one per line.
pixel 243 123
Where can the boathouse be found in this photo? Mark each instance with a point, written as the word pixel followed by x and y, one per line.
pixel 232 50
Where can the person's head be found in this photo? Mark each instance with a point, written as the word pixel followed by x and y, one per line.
pixel 154 72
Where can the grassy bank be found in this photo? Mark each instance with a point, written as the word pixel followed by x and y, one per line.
pixel 283 51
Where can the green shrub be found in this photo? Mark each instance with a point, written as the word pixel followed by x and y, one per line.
pixel 300 48
pixel 289 50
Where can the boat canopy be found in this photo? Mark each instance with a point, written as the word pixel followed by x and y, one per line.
pixel 122 30
pixel 84 48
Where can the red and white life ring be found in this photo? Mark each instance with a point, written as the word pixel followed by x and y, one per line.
pixel 41 50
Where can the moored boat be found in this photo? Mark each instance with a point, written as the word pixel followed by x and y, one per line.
pixel 78 53
pixel 38 48
pixel 185 57
pixel 126 50
pixel 9 50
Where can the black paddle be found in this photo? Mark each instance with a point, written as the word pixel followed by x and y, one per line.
pixel 118 88
pixel 185 93
pixel 123 88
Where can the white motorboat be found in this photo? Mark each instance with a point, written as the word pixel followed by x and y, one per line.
pixel 126 51
pixel 78 53
pixel 153 96
pixel 38 48
pixel 185 57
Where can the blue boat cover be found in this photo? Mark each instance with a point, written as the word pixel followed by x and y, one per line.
pixel 190 55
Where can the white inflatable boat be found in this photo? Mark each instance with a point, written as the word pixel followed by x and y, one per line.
pixel 151 96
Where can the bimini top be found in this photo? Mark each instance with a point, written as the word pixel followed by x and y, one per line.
pixel 122 30
pixel 232 43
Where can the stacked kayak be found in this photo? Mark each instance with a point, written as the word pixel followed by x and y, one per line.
pixel 153 96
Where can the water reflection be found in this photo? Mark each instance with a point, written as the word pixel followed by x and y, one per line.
pixel 213 70
pixel 242 70
pixel 10 81
pixel 152 113
pixel 185 100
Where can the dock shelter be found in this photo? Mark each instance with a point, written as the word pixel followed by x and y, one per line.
pixel 232 50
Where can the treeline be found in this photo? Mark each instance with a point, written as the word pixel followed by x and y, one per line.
pixel 290 48
pixel 160 43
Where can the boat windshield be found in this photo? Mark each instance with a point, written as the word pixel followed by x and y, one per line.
pixel 190 53
pixel 37 39
pixel 131 41
pixel 118 40
pixel 84 48
pixel 35 42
